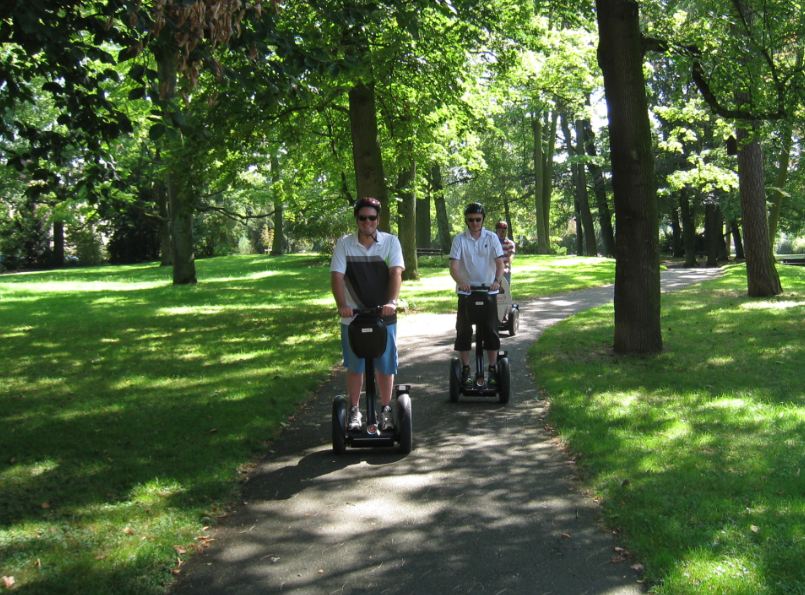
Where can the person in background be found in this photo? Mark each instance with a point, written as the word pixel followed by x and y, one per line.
pixel 502 228
pixel 366 272
pixel 476 258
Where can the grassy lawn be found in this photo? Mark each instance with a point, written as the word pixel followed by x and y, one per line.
pixel 697 453
pixel 130 408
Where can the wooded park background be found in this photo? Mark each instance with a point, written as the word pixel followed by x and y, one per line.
pixel 170 130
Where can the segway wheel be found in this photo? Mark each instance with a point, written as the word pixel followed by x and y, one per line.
pixel 504 380
pixel 455 379
pixel 339 424
pixel 404 423
pixel 513 323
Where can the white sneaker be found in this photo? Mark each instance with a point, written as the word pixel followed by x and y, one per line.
pixel 386 419
pixel 355 419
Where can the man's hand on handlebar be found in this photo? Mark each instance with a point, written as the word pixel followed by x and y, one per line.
pixel 389 309
pixel 345 312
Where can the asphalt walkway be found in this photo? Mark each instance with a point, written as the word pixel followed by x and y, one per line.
pixel 487 502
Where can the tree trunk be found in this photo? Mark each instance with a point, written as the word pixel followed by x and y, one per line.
pixel 58 243
pixel 442 221
pixel 637 271
pixel 278 217
pixel 677 247
pixel 177 184
pixel 406 221
pixel 736 240
pixel 370 179
pixel 599 188
pixel 590 246
pixel 782 168
pixel 762 277
pixel 423 222
pixel 543 242
pixel 712 232
pixel 547 172
pixel 687 215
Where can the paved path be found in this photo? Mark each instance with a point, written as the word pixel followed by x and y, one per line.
pixel 486 503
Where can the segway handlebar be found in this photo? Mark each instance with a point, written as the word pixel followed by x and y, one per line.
pixel 479 289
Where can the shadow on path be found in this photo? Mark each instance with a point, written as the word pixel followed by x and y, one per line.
pixel 485 503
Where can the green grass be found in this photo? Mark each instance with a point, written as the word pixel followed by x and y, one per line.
pixel 697 453
pixel 130 408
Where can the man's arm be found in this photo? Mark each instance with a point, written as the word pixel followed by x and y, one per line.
pixel 395 282
pixel 455 273
pixel 340 294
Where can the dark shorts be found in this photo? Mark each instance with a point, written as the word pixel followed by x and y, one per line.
pixel 488 324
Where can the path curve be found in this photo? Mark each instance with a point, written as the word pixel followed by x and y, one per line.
pixel 486 503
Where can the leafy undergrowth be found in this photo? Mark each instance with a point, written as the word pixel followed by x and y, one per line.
pixel 696 452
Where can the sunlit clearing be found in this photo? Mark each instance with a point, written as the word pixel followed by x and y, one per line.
pixel 255 275
pixel 155 490
pixel 212 310
pixel 88 286
pixel 704 570
pixel 771 305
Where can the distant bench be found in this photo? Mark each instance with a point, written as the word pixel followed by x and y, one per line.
pixel 798 259
pixel 429 252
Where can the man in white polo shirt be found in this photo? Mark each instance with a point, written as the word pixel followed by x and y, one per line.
pixel 366 272
pixel 476 258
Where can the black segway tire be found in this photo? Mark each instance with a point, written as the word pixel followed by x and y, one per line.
pixel 405 428
pixel 513 323
pixel 455 379
pixel 504 380
pixel 339 425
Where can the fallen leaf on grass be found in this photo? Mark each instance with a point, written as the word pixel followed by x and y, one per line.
pixel 128 530
pixel 8 582
pixel 754 528
pixel 637 568
pixel 179 549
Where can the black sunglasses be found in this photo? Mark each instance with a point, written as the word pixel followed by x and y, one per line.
pixel 367 217
pixel 474 219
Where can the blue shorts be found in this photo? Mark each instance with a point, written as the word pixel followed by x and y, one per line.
pixel 385 364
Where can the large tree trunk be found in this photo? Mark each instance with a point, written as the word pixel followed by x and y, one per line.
pixel 278 217
pixel 543 241
pixel 637 271
pixel 677 247
pixel 406 221
pixel 178 179
pixel 599 188
pixel 762 277
pixel 165 241
pixel 442 221
pixel 369 176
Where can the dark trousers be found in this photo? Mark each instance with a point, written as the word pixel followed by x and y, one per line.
pixel 486 323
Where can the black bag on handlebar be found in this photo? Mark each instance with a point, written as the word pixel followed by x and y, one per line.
pixel 477 306
pixel 367 336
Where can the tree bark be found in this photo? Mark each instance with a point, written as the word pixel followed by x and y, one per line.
pixel 442 221
pixel 370 180
pixel 58 243
pixel 712 232
pixel 599 188
pixel 278 217
pixel 552 121
pixel 543 242
pixel 762 277
pixel 687 214
pixel 637 271
pixel 736 240
pixel 406 221
pixel 178 185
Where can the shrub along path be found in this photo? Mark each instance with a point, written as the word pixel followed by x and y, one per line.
pixel 487 502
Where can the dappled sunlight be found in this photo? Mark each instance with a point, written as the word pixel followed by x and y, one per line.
pixel 772 305
pixel 217 309
pixel 720 361
pixel 73 286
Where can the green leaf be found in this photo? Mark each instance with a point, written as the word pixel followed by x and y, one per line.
pixel 156 131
